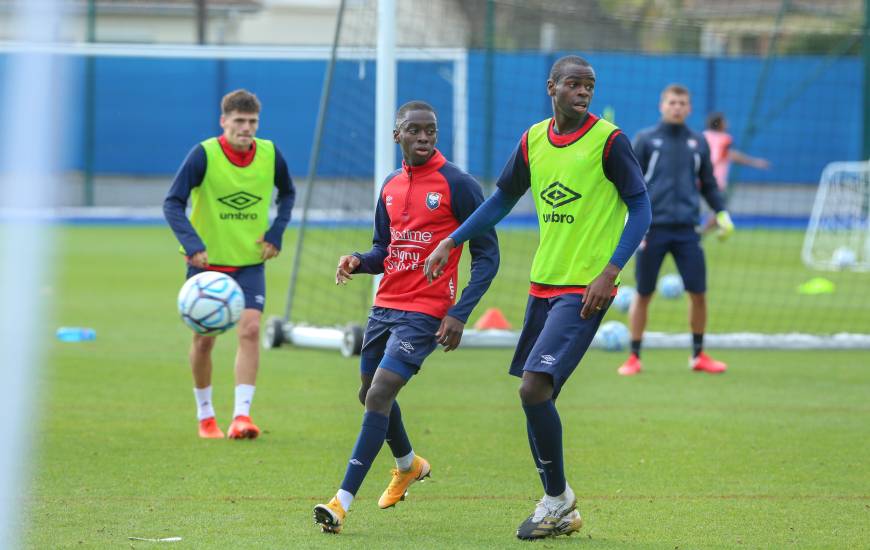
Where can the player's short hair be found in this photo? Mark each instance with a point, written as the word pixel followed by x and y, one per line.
pixel 557 71
pixel 415 105
pixel 241 101
pixel 715 121
pixel 676 89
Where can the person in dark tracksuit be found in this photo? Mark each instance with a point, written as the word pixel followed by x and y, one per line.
pixel 676 165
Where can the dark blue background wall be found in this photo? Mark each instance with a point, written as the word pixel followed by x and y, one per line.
pixel 149 112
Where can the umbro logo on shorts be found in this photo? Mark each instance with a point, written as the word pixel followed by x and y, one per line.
pixel 406 346
pixel 547 359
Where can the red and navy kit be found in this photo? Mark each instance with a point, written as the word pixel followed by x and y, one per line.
pixel 419 206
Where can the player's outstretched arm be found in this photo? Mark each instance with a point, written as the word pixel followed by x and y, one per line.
pixel 481 221
pixel 740 157
pixel 346 266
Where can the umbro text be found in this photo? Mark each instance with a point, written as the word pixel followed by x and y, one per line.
pixel 238 216
pixel 558 218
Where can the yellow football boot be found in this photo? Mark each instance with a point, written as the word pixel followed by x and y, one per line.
pixel 330 516
pixel 398 486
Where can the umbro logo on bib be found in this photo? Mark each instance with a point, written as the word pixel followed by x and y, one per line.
pixel 240 200
pixel 557 195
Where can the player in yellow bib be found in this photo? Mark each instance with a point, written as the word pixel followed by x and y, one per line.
pixel 584 179
pixel 229 181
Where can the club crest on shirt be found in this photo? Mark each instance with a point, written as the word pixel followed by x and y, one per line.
pixel 656 142
pixel 433 200
pixel 692 143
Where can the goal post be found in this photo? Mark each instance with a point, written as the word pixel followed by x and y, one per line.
pixel 838 233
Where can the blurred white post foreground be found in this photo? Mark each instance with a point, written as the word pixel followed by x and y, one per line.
pixel 385 101
pixel 28 163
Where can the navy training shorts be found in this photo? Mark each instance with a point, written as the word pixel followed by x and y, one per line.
pixel 684 244
pixel 554 337
pixel 252 280
pixel 407 336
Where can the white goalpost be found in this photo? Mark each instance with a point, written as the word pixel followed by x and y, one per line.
pixel 838 234
pixel 27 180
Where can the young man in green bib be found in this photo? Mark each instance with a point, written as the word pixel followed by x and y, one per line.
pixel 584 179
pixel 229 181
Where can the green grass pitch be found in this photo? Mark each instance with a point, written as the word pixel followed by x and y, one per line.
pixel 772 454
pixel 752 285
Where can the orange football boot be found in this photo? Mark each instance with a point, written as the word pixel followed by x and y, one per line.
pixel 208 429
pixel 243 428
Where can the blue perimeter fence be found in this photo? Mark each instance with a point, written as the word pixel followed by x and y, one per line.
pixel 150 111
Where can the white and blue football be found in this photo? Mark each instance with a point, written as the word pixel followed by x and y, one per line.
pixel 210 303
pixel 613 336
pixel 671 286
pixel 624 297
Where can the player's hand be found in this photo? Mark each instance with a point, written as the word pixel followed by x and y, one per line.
pixel 433 267
pixel 199 260
pixel 761 164
pixel 598 292
pixel 346 266
pixel 450 333
pixel 269 249
pixel 726 226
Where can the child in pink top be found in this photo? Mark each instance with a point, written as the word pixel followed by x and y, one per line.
pixel 722 155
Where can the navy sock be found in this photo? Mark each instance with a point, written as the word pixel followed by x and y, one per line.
pixel 635 347
pixel 534 449
pixel 368 444
pixel 697 344
pixel 546 429
pixel 397 438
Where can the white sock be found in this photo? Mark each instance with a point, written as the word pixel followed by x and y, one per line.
pixel 204 407
pixel 565 498
pixel 403 463
pixel 344 498
pixel 244 396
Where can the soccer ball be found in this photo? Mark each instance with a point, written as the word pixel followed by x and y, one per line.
pixel 613 336
pixel 844 257
pixel 624 297
pixel 671 286
pixel 210 303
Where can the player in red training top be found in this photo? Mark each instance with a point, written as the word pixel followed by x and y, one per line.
pixel 419 205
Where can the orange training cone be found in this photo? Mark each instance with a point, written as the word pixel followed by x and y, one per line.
pixel 492 318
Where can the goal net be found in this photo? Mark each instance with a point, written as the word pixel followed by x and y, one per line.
pixel 838 235
pixel 487 88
